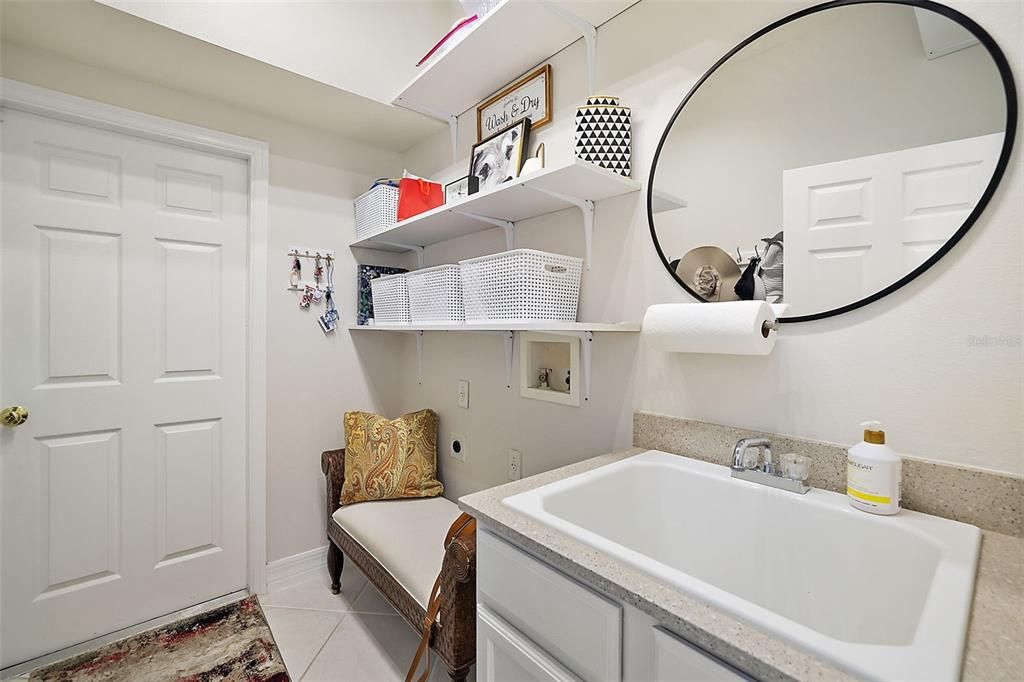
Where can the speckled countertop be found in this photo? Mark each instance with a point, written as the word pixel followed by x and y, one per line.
pixel 995 639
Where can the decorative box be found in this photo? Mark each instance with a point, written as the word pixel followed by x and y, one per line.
pixel 604 134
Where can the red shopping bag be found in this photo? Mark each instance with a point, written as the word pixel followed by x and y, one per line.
pixel 416 195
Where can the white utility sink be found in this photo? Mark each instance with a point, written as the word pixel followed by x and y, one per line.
pixel 882 597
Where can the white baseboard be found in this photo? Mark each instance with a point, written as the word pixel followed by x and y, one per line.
pixel 292 570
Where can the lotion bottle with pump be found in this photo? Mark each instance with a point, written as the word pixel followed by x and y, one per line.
pixel 873 473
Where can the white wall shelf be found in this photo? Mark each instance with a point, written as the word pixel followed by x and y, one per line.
pixel 511 39
pixel 584 331
pixel 662 202
pixel 578 184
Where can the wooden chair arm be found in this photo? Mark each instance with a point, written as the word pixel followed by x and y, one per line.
pixel 456 636
pixel 333 464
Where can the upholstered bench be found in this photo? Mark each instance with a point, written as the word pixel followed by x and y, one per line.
pixel 399 546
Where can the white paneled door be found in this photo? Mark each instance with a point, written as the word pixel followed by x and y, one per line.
pixel 855 226
pixel 124 334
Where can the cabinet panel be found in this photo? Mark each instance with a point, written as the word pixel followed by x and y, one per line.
pixel 578 627
pixel 503 654
pixel 676 660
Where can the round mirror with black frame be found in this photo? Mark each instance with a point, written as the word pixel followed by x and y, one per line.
pixel 833 156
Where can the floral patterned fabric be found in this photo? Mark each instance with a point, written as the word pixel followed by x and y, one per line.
pixel 387 459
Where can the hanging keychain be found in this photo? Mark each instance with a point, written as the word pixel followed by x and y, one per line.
pixel 329 320
pixel 318 273
pixel 307 296
pixel 296 274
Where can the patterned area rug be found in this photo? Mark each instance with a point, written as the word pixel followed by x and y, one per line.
pixel 230 643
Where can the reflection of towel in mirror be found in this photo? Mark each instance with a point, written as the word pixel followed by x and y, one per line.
pixel 771 268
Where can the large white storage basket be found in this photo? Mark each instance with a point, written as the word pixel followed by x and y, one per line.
pixel 435 295
pixel 390 299
pixel 376 210
pixel 521 286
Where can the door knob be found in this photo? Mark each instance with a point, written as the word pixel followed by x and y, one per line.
pixel 15 415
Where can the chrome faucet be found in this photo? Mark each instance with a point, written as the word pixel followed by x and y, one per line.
pixel 764 447
pixel 764 469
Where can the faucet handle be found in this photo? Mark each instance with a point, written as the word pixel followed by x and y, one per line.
pixel 761 446
pixel 795 467
pixel 751 458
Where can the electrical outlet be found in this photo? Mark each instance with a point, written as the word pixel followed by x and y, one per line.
pixel 464 394
pixel 457 447
pixel 515 465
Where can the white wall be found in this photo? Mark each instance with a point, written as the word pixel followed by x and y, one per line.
pixel 908 359
pixel 311 378
pixel 369 48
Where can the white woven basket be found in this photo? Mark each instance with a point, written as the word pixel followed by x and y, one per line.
pixel 521 286
pixel 376 210
pixel 435 295
pixel 390 299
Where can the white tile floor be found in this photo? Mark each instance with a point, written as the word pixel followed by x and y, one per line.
pixel 354 636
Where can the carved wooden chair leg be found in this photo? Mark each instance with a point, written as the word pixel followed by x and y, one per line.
pixel 335 562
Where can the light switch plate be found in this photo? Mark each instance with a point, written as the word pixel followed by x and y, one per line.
pixel 464 394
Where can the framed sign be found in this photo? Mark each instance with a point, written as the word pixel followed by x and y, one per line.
pixel 461 188
pixel 529 97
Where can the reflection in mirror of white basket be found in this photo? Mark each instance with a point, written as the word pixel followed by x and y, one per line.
pixel 733 328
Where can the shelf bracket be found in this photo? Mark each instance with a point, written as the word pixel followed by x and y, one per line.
pixel 586 207
pixel 407 247
pixel 451 119
pixel 589 33
pixel 509 336
pixel 507 225
pixel 453 132
pixel 419 358
pixel 586 352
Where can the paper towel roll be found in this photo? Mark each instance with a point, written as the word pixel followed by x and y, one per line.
pixel 732 328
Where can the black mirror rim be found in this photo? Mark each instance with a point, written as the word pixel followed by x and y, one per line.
pixel 1009 91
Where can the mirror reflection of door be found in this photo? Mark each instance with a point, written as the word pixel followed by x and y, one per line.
pixel 839 152
pixel 853 223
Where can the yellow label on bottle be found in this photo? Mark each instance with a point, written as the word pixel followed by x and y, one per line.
pixel 867 497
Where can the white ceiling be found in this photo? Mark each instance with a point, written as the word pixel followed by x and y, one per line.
pixel 103 37
pixel 368 47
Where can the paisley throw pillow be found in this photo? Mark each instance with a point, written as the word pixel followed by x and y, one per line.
pixel 386 459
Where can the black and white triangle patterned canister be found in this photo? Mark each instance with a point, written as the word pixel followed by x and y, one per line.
pixel 604 134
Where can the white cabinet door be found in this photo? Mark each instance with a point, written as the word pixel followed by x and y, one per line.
pixel 124 283
pixel 852 227
pixel 676 660
pixel 503 654
pixel 580 627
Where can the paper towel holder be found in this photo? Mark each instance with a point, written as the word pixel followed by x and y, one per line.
pixel 769 326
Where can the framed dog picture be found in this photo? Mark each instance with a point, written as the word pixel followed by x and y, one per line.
pixel 499 158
